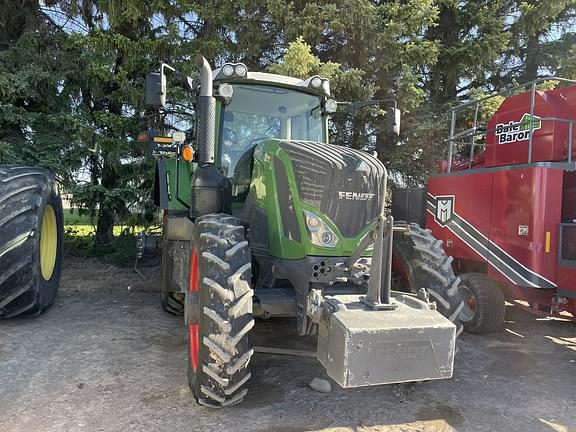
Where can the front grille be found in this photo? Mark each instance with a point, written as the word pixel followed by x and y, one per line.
pixel 312 175
pixel 568 242
pixel 323 171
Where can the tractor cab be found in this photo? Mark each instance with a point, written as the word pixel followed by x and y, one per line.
pixel 252 107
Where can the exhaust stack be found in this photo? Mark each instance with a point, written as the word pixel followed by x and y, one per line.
pixel 206 112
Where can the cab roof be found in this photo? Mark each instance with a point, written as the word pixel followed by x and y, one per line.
pixel 274 79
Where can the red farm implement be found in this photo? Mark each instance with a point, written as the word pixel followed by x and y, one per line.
pixel 504 204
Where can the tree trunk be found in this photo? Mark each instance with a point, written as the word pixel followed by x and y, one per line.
pixel 531 58
pixel 105 227
pixel 444 76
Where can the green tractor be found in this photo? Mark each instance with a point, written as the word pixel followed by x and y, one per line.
pixel 264 218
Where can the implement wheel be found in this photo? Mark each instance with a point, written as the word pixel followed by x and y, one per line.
pixel 31 240
pixel 484 304
pixel 218 311
pixel 420 262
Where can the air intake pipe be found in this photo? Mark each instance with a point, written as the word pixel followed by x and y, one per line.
pixel 206 113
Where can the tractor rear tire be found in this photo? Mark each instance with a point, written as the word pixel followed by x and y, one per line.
pixel 425 265
pixel 31 240
pixel 175 268
pixel 220 324
pixel 485 307
pixel 172 302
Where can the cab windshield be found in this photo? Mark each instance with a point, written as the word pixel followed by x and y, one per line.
pixel 256 113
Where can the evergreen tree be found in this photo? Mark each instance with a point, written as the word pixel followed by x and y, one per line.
pixel 72 73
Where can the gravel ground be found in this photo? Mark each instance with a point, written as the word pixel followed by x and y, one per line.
pixel 105 358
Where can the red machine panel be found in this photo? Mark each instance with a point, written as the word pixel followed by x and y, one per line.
pixel 569 197
pixel 525 215
pixel 508 218
pixel 507 141
pixel 468 197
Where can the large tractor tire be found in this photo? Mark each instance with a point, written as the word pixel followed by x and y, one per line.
pixel 31 240
pixel 419 261
pixel 219 311
pixel 175 267
pixel 172 303
pixel 484 304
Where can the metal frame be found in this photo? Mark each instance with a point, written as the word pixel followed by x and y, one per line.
pixel 473 131
pixel 382 235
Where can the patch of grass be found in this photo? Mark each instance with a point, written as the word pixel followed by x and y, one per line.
pixel 73 217
pixel 121 252
pixel 79 240
pixel 89 230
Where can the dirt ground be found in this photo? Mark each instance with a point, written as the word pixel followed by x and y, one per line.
pixel 106 358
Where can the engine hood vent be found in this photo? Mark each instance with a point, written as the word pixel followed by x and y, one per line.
pixel 342 183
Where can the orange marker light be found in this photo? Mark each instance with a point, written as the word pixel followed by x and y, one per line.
pixel 187 153
pixel 143 136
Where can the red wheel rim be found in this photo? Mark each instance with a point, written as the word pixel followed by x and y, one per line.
pixel 194 329
pixel 470 302
pixel 193 332
pixel 399 272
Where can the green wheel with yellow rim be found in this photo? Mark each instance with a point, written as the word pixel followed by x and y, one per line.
pixel 31 240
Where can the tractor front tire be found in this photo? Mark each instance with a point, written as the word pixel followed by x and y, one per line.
pixel 485 306
pixel 31 240
pixel 421 262
pixel 219 311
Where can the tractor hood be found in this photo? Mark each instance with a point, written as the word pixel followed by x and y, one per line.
pixel 295 183
pixel 342 183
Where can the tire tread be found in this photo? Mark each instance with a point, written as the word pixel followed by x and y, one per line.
pixel 226 318
pixel 491 305
pixel 428 266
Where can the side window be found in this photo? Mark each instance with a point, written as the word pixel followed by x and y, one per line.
pixel 240 132
pixel 307 126
pixel 316 125
pixel 299 127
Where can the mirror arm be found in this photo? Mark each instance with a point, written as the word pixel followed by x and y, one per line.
pixel 354 107
pixel 186 82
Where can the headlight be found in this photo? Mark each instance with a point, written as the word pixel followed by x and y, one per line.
pixel 320 233
pixel 331 106
pixel 231 70
pixel 316 82
pixel 225 90
pixel 228 70
pixel 240 70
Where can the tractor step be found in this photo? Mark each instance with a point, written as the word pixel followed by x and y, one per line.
pixel 359 346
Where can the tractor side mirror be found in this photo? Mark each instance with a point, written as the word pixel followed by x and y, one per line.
pixel 393 121
pixel 155 89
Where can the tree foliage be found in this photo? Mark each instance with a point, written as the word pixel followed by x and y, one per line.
pixel 72 74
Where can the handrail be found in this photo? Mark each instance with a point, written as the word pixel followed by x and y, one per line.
pixel 476 103
pixel 515 88
pixel 472 133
